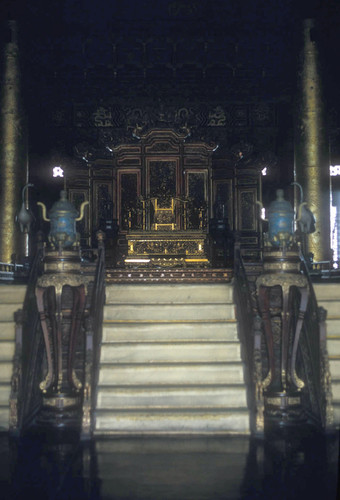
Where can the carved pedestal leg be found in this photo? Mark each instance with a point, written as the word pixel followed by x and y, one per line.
pixel 61 328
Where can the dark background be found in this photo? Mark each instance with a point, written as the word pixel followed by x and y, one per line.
pixel 90 53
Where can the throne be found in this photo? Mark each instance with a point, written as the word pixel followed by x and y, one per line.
pixel 163 214
pixel 163 201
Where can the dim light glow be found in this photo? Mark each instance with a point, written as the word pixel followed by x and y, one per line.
pixel 136 260
pixel 58 171
pixel 334 170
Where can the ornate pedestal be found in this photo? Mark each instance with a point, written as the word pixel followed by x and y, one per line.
pixel 61 296
pixel 282 322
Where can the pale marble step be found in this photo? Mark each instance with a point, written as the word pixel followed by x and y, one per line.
pixel 336 413
pixel 7 311
pixel 7 330
pixel 146 312
pixel 333 346
pixel 169 293
pixel 4 418
pixel 237 445
pixel 163 352
pixel 167 373
pixel 172 421
pixel 332 307
pixel 336 390
pixel 5 390
pixel 6 369
pixel 326 291
pixel 334 365
pixel 172 396
pixel 120 332
pixel 333 326
pixel 7 348
pixel 12 294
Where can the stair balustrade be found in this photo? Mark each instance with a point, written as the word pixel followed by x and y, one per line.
pixel 25 397
pixel 93 329
pixel 57 343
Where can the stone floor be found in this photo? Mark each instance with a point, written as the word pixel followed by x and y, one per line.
pixel 45 466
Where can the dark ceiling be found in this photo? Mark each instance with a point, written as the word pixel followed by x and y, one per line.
pixel 82 50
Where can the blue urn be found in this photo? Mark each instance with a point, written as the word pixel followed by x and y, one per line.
pixel 63 217
pixel 280 221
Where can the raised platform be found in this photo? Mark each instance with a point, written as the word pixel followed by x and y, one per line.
pixel 169 275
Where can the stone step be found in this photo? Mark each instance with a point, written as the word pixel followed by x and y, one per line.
pixel 334 366
pixel 332 307
pixel 204 396
pixel 169 293
pixel 6 369
pixel 327 291
pixel 190 421
pixel 12 294
pixel 4 418
pixel 7 348
pixel 144 332
pixel 336 413
pixel 7 312
pixel 333 327
pixel 5 390
pixel 7 330
pixel 333 346
pixel 237 445
pixel 146 312
pixel 169 352
pixel 336 390
pixel 171 373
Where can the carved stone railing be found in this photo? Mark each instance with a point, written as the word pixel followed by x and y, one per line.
pixel 25 397
pixel 315 361
pixel 57 342
pixel 93 329
pixel 283 334
pixel 250 334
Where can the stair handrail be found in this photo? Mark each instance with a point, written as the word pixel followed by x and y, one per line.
pixel 93 332
pixel 250 334
pixel 315 339
pixel 24 402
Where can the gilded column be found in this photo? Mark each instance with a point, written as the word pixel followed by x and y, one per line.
pixel 12 147
pixel 311 142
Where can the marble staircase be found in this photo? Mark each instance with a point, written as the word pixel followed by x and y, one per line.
pixel 171 361
pixel 170 358
pixel 11 299
pixel 328 296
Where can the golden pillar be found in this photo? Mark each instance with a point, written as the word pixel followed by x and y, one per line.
pixel 12 149
pixel 311 146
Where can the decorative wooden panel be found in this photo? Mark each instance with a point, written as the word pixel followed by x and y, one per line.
pixel 128 193
pixel 196 192
pixel 163 179
pixel 223 201
pixel 102 207
pixel 246 209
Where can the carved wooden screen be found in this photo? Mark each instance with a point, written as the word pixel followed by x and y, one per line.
pixel 102 204
pixel 247 209
pixel 163 180
pixel 223 201
pixel 128 199
pixel 196 194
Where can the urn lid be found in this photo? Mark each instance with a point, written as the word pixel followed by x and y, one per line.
pixel 280 204
pixel 63 207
